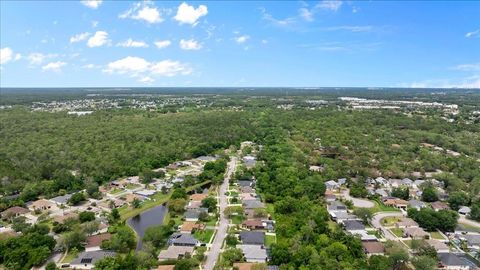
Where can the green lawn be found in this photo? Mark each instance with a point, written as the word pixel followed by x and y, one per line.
pixel 237 219
pixel 270 239
pixel 212 222
pixel 408 243
pixel 115 191
pixel 132 186
pixel 203 236
pixel 436 235
pixel 270 209
pixel 233 193
pixel 70 257
pixel 397 231
pixel 380 207
pixel 389 221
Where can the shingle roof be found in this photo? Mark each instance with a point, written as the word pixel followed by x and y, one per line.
pixel 450 259
pixel 252 238
pixel 373 247
pixel 353 225
pixel 173 252
pixel 96 240
pixel 90 257
pixel 182 239
pixel 252 204
pixel 253 252
pixel 61 199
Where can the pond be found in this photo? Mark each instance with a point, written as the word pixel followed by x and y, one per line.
pixel 151 217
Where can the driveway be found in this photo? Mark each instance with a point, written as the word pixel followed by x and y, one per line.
pixel 470 222
pixel 221 233
pixel 378 225
pixel 357 202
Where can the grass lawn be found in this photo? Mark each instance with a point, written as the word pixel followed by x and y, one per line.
pixel 70 257
pixel 389 221
pixel 211 222
pixel 237 219
pixel 380 207
pixel 332 225
pixel 408 243
pixel 436 235
pixel 270 239
pixel 203 236
pixel 397 232
pixel 115 191
pixel 271 210
pixel 132 186
pixel 233 193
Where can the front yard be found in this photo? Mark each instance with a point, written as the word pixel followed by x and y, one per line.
pixel 203 236
pixel 270 239
pixel 397 232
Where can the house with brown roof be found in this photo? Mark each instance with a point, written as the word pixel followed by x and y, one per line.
pixel 190 226
pixel 398 203
pixel 166 267
pixel 253 224
pixel 405 222
pixel 373 248
pixel 415 233
pixel 438 205
pixel 245 266
pixel 198 197
pixel 439 246
pixel 14 212
pixel 62 218
pixel 95 241
pixel 175 252
pixel 43 205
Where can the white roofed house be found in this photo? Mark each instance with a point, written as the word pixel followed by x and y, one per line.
pixel 342 181
pixel 464 210
pixel 332 185
pixel 416 204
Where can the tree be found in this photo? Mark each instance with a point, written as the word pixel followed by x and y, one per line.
pixel 458 199
pixel 429 194
pixel 210 203
pixel 136 203
pixel 475 213
pixel 231 240
pixel 402 193
pixel 185 264
pixel 358 190
pixel 177 206
pixel 86 216
pixel 158 235
pixel 377 262
pixel 73 239
pixel 398 255
pixel 425 263
pixel 364 213
pixel 114 216
pixel 77 198
pixel 179 193
pixel 122 241
pixel 51 266
pixel 431 220
pixel 232 255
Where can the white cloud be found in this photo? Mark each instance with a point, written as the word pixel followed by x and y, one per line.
pixel 351 28
pixel 289 21
pixel 54 66
pixel 468 67
pixel 39 58
pixel 133 43
pixel 94 24
pixel 332 5
pixel 100 38
pixel 242 39
pixel 17 57
pixel 162 43
pixel 144 11
pixel 187 14
pixel 6 55
pixel 137 67
pixel 306 14
pixel 473 33
pixel 468 82
pixel 90 66
pixel 79 37
pixel 190 44
pixel 94 4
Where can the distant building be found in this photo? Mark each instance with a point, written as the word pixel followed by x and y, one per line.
pixel 14 212
pixel 373 248
pixel 252 238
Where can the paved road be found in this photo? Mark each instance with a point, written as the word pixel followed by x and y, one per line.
pixel 357 202
pixel 377 224
pixel 215 250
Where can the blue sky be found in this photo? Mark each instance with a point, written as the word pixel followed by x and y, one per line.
pixel 201 43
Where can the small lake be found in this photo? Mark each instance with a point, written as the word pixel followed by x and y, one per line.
pixel 151 217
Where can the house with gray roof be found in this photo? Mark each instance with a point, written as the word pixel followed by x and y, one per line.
pixel 416 204
pixel 452 261
pixel 252 238
pixel 381 192
pixel 337 206
pixel 194 214
pixel 342 181
pixel 253 204
pixel 353 225
pixel 61 200
pixel 254 253
pixel 464 210
pixel 87 260
pixel 182 239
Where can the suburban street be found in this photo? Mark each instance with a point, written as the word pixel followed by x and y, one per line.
pixel 377 224
pixel 470 222
pixel 357 202
pixel 221 232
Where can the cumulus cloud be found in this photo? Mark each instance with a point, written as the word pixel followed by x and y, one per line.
pixel 133 43
pixel 473 34
pixel 99 39
pixel 242 39
pixel 190 44
pixel 54 66
pixel 79 37
pixel 144 70
pixel 94 4
pixel 306 14
pixel 6 55
pixel 144 11
pixel 90 66
pixel 187 14
pixel 332 5
pixel 162 43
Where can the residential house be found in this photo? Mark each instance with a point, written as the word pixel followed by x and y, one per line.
pixel 405 222
pixel 407 182
pixel 87 259
pixel 397 203
pixel 340 216
pixel 451 261
pixel 337 206
pixel 182 239
pixel 193 215
pixel 332 185
pixel 439 246
pixel 464 210
pixel 245 183
pixel 381 192
pixel 198 197
pixel 437 206
pixel 194 205
pixel 373 248
pixel 175 253
pixel 254 253
pixel 166 267
pixel 472 241
pixel 244 266
pixel 252 238
pixel 353 226
pixel 415 233
pixel 62 218
pixel 253 204
pixel 246 189
pixel 381 181
pixel 247 196
pixel 189 227
pixel 342 181
pixel 330 198
pixel 61 200
pixel 95 241
pixel 14 212
pixel 253 224
pixel 418 183
pixel 43 205
pixel 416 204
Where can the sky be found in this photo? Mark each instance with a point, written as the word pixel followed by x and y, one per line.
pixel 240 43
